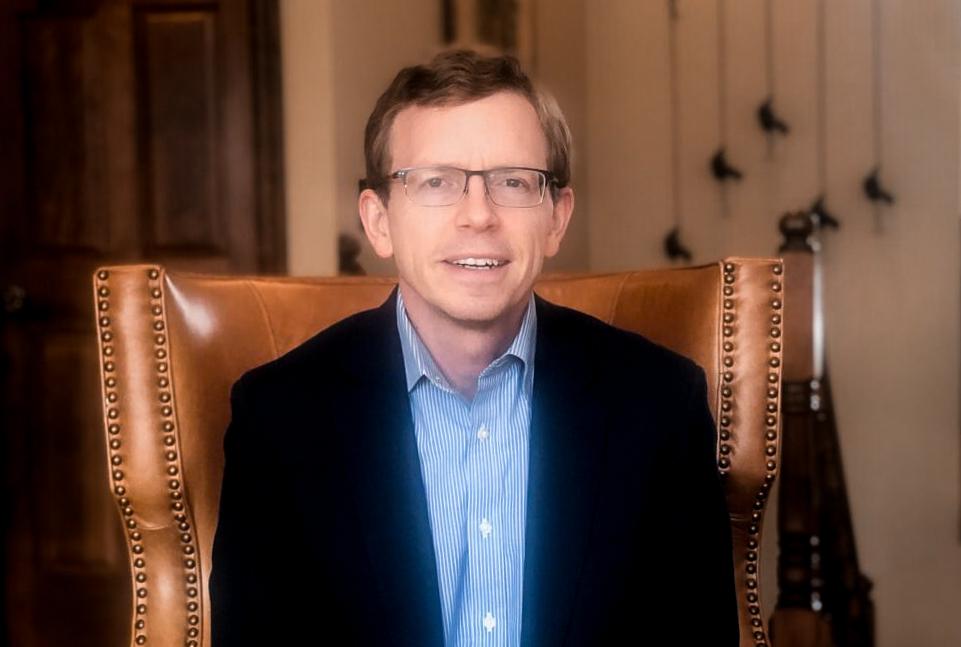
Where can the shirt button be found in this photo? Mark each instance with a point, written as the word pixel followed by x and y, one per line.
pixel 486 528
pixel 483 433
pixel 489 622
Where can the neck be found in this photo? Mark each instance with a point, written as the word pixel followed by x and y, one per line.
pixel 461 350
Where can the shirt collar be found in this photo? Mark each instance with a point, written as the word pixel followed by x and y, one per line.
pixel 418 362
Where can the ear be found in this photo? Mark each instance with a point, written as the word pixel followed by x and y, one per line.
pixel 373 215
pixel 560 217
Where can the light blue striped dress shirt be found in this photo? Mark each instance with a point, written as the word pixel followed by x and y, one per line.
pixel 473 457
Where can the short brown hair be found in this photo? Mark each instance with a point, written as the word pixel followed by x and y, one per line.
pixel 455 77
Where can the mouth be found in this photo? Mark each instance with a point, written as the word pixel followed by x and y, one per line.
pixel 477 263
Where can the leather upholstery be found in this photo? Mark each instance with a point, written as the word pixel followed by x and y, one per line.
pixel 171 345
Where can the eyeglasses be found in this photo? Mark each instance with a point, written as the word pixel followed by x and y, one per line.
pixel 442 186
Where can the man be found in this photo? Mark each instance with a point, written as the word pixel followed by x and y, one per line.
pixel 468 464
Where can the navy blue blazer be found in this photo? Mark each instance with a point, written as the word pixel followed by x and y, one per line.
pixel 324 536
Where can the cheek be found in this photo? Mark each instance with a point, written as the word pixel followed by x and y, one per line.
pixel 536 241
pixel 411 239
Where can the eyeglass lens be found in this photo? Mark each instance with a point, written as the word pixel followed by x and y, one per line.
pixel 506 187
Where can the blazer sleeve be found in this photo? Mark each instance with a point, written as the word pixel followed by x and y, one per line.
pixel 708 570
pixel 241 580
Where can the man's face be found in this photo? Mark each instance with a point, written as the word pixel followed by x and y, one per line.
pixel 430 244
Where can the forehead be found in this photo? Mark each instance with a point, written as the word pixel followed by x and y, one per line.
pixel 499 130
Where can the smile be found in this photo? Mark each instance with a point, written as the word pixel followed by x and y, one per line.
pixel 478 263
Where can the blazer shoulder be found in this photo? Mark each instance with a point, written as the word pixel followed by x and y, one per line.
pixel 610 345
pixel 329 352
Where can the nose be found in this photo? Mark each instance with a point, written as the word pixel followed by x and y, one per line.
pixel 475 210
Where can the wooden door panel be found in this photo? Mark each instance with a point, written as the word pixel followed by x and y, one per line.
pixel 64 178
pixel 80 532
pixel 66 567
pixel 177 81
pixel 129 132
pixel 79 149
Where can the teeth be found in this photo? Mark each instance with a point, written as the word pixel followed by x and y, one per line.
pixel 478 263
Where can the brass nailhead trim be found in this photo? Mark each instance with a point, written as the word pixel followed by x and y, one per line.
pixel 771 452
pixel 725 450
pixel 729 318
pixel 774 363
pixel 175 487
pixel 111 396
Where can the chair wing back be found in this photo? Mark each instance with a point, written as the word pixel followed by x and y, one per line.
pixel 172 344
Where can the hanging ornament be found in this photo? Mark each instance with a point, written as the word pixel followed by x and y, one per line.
pixel 722 169
pixel 821 216
pixel 770 122
pixel 873 189
pixel 673 246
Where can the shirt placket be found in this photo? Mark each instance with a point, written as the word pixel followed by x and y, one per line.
pixel 485 532
pixel 444 457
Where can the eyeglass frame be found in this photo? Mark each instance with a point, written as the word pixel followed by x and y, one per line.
pixel 549 180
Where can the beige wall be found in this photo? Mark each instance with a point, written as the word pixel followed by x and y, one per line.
pixel 310 156
pixel 338 56
pixel 893 297
pixel 373 40
pixel 560 66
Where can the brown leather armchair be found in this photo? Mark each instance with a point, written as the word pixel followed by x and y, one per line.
pixel 171 345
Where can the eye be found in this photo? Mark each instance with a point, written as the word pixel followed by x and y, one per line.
pixel 434 179
pixel 518 181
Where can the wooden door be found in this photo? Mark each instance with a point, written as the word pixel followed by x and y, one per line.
pixel 129 131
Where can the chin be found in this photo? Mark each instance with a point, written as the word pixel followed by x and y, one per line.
pixel 475 311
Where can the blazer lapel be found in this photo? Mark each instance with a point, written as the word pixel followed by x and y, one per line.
pixel 566 444
pixel 386 478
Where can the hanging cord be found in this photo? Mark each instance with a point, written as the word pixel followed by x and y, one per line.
pixel 873 189
pixel 720 167
pixel 876 64
pixel 721 73
pixel 769 120
pixel 673 246
pixel 769 46
pixel 818 209
pixel 822 99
